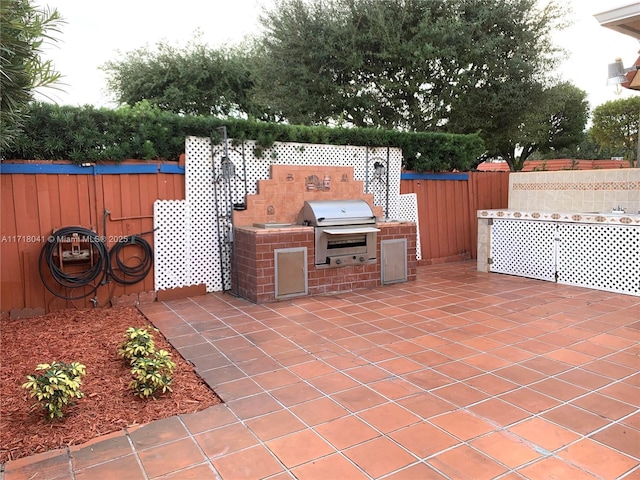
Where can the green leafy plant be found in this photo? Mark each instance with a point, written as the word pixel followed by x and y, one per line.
pixel 138 344
pixel 56 386
pixel 153 374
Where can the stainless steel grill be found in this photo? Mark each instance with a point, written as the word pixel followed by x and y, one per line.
pixel 345 231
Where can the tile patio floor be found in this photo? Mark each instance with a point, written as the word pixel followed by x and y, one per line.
pixel 459 375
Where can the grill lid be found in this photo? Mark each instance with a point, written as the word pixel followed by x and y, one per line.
pixel 322 213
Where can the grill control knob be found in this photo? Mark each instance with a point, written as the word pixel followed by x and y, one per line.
pixel 338 261
pixel 362 259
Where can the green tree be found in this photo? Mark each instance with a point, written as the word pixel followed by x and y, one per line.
pixel 451 65
pixel 615 127
pixel 23 30
pixel 194 80
pixel 555 122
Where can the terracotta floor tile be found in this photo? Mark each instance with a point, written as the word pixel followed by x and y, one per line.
pixel 117 469
pixel 295 393
pixel 588 348
pixel 567 355
pixel 623 392
pixel 558 389
pixel 458 370
pixel 170 457
pixel 463 462
pixel 576 419
pixel 258 365
pixel 519 374
pixel 366 373
pixel 424 439
pixel 462 424
pixel 460 394
pixel 249 464
pixel 346 432
pixel 499 412
pixel 275 379
pixel 273 425
pixel 632 421
pixel 551 468
pixel 332 467
pixel 621 437
pixel 506 448
pixel 236 389
pixel 254 406
pixel 379 457
pixel 53 464
pixel 598 459
pixel 358 398
pixel 209 418
pixel 604 406
pixel 319 411
pixel 389 417
pixel 491 384
pixel 158 432
pixel 609 369
pixel 93 453
pixel 419 471
pixel 400 366
pixel 395 388
pixel 530 400
pixel 512 353
pixel 456 351
pixel 312 369
pixel 544 434
pixel 203 471
pixel 300 447
pixel 584 378
pixel 426 405
pixel 428 379
pixel 332 382
pixel 224 440
pixel 220 375
pixel 486 362
pixel 546 366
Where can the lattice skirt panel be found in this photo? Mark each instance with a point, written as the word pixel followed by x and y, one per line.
pixel 604 257
pixel 523 248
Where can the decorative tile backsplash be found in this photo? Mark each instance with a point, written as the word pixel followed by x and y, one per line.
pixel 576 191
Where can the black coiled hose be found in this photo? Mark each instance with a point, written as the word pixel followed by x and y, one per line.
pixel 103 262
pixel 78 279
pixel 132 273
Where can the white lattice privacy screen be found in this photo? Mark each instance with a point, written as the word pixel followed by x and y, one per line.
pixel 603 257
pixel 189 237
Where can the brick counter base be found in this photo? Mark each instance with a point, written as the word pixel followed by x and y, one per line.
pixel 254 274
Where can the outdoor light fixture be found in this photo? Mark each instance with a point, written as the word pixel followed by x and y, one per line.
pixel 618 74
pixel 379 169
pixel 228 168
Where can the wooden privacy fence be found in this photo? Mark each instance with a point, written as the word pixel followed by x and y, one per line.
pixel 447 206
pixel 116 201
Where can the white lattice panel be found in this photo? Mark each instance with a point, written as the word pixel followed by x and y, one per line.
pixel 409 212
pixel 604 257
pixel 171 242
pixel 524 248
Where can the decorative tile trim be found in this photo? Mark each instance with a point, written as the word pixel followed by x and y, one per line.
pixel 569 217
pixel 579 186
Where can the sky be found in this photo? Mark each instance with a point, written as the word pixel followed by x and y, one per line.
pixel 98 32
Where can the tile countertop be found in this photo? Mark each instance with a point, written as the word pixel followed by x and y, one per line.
pixel 291 227
pixel 632 219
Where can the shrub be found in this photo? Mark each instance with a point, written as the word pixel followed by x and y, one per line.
pixel 152 374
pixel 56 386
pixel 138 344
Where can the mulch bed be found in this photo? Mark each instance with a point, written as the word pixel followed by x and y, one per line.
pixel 90 337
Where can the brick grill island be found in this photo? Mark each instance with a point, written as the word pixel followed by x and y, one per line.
pixel 268 227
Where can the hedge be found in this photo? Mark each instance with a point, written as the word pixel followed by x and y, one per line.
pixel 89 134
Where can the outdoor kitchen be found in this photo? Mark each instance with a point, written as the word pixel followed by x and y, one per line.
pixel 302 236
pixel 294 220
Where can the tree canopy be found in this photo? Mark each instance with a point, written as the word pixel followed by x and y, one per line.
pixel 23 30
pixel 615 127
pixel 453 66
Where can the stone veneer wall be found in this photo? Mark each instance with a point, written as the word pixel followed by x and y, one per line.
pixel 280 199
pixel 254 276
pixel 575 190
